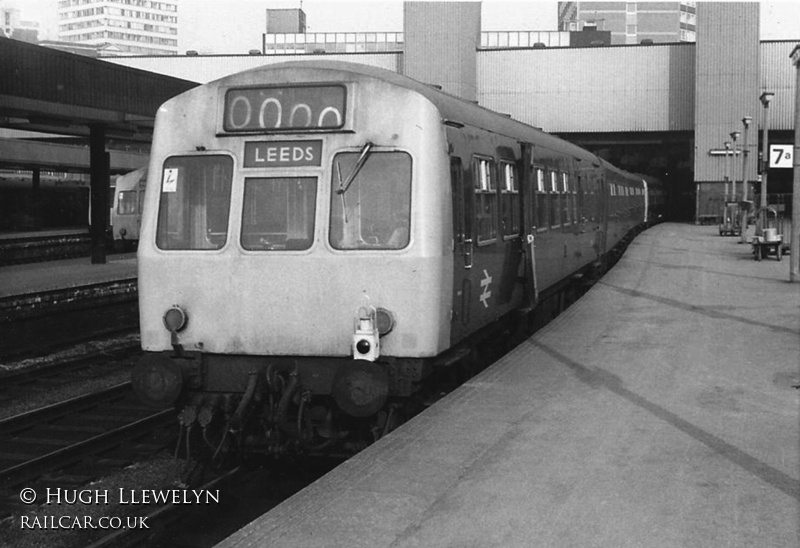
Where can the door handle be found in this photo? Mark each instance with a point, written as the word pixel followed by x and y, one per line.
pixel 467 252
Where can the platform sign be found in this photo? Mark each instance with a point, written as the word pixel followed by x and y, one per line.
pixel 780 156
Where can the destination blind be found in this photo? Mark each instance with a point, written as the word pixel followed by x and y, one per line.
pixel 282 153
pixel 284 108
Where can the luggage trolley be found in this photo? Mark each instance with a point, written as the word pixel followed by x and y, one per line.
pixel 731 224
pixel 767 241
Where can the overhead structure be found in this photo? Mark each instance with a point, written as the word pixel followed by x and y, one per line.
pixel 51 91
pixel 55 92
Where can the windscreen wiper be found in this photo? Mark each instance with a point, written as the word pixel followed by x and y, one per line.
pixel 362 159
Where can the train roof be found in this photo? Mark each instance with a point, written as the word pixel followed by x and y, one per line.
pixel 452 108
pixel 132 178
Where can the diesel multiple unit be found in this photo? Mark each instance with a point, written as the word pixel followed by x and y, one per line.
pixel 320 237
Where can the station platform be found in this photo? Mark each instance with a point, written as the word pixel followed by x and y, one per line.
pixel 24 279
pixel 660 410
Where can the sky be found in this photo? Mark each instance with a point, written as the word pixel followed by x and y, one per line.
pixel 236 26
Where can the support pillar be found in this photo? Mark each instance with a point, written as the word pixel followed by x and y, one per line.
pixel 794 254
pixel 99 199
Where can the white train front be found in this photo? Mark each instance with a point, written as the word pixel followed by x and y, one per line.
pixel 318 237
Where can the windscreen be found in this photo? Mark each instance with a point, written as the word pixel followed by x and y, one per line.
pixel 279 213
pixel 195 202
pixel 370 200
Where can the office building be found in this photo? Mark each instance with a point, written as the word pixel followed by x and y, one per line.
pixel 632 22
pixel 143 27
pixel 14 27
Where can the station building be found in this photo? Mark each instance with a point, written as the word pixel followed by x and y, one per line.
pixel 663 109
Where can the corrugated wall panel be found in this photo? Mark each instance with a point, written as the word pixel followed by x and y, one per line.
pixel 727 83
pixel 777 76
pixel 592 89
pixel 204 69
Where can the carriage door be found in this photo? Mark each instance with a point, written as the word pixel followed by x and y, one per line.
pixel 463 247
pixel 528 204
pixel 603 210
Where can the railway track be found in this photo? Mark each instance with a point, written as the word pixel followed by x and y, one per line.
pixel 60 435
pixel 48 320
pixel 244 493
pixel 56 369
pixel 159 518
pixel 49 247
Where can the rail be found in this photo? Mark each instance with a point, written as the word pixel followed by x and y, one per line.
pixel 30 448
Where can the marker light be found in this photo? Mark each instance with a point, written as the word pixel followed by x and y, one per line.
pixel 175 319
pixel 384 321
pixel 363 346
pixel 366 345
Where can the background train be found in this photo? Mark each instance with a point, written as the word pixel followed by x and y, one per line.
pixel 320 237
pixel 126 209
pixel 61 201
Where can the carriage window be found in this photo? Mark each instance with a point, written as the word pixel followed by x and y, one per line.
pixel 128 200
pixel 542 204
pixel 485 199
pixel 278 213
pixel 510 200
pixel 555 200
pixel 195 202
pixel 374 210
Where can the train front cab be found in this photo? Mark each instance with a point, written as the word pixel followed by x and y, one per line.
pixel 126 210
pixel 284 265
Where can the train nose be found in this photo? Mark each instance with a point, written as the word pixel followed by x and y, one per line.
pixel 157 380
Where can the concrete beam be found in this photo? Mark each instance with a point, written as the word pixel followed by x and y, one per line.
pixel 23 154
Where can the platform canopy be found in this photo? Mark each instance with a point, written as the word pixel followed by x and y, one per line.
pixel 55 92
